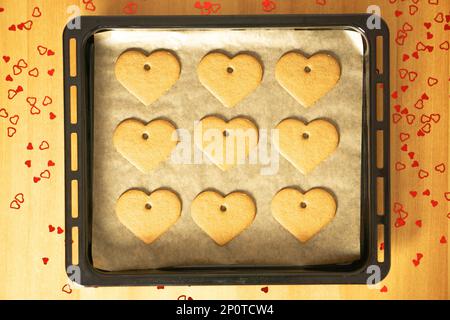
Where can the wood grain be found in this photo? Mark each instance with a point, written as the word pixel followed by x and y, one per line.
pixel 24 233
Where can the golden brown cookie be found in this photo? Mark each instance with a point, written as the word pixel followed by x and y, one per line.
pixel 148 216
pixel 147 77
pixel 145 145
pixel 306 145
pixel 223 218
pixel 303 215
pixel 226 143
pixel 230 79
pixel 307 80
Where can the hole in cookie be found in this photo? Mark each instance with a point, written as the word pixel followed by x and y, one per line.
pixel 307 69
pixel 303 205
pixel 225 133
pixel 305 136
pixel 230 70
pixel 223 208
pixel 147 67
pixel 145 136
pixel 148 206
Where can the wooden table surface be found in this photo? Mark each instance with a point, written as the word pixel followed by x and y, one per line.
pixel 31 148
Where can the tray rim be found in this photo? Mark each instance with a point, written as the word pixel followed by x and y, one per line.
pixel 227 275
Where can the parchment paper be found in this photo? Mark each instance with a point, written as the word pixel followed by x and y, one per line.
pixel 265 241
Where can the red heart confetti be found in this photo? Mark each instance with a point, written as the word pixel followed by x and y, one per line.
pixel 265 289
pixel 45 260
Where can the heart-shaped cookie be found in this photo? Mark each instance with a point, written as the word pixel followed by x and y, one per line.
pixel 306 145
pixel 148 216
pixel 230 79
pixel 223 218
pixel 307 80
pixel 303 215
pixel 145 145
pixel 147 77
pixel 226 143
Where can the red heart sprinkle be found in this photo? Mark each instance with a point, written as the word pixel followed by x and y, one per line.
pixel 51 72
pixel 443 240
pixel 411 155
pixel 415 262
pixel 51 228
pixel 384 289
pixel 415 164
pixel 399 222
pixel 405 57
pixel 404 147
pixel 9 78
pixel 50 52
pixel 60 230
pixel 415 54
pixel 413 193
pixel 265 289
pixel 29 146
pixel 36 179
pixel 50 163
pixel 45 260
pixel 427 25
pixel 28 163
pixel 52 115
pixel 424 96
pixel 419 223
pixel 426 192
pixel 12 27
pixel 398 13
pixel 434 203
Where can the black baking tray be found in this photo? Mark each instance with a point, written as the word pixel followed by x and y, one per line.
pixel 364 271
